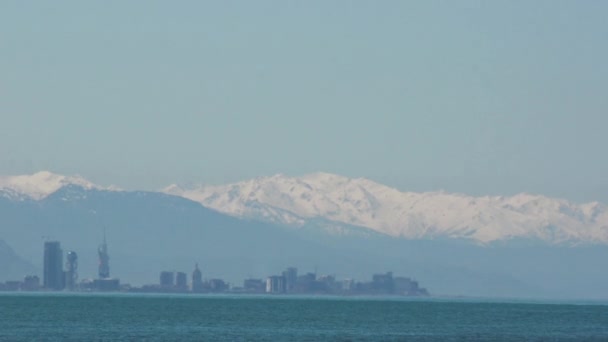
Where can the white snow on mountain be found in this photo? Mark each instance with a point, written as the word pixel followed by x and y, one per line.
pixel 362 202
pixel 41 184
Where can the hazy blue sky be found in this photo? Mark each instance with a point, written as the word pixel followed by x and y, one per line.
pixel 481 97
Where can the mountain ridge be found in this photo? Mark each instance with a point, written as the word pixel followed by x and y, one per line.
pixel 41 184
pixel 351 205
pixel 365 203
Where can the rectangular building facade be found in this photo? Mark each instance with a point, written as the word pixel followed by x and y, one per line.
pixel 167 279
pixel 53 278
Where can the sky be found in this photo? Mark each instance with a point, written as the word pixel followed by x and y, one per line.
pixel 479 97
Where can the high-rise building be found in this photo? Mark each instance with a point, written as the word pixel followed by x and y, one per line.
pixel 291 277
pixel 306 283
pixel 383 283
pixel 275 284
pixel 71 273
pixel 104 282
pixel 197 279
pixel 167 279
pixel 53 262
pixel 181 281
pixel 104 259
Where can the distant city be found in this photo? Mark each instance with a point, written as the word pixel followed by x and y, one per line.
pixel 58 276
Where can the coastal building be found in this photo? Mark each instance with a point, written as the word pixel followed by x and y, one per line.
pixel 31 283
pixel 197 279
pixel 12 285
pixel 104 259
pixel 306 283
pixel 71 273
pixel 275 284
pixel 106 284
pixel 383 283
pixel 218 285
pixel 291 278
pixel 408 287
pixel 348 285
pixel 181 281
pixel 327 284
pixel 53 278
pixel 167 279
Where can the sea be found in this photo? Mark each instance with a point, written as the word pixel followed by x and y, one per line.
pixel 145 317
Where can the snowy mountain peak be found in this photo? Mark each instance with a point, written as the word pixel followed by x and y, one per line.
pixel 173 189
pixel 41 184
pixel 365 203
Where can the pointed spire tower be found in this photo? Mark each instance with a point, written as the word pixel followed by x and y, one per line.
pixel 104 258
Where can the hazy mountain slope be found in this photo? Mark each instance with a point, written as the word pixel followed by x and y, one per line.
pixel 12 266
pixel 361 202
pixel 147 233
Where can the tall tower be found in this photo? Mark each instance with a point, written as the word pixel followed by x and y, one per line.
pixel 197 279
pixel 104 258
pixel 71 273
pixel 291 277
pixel 53 262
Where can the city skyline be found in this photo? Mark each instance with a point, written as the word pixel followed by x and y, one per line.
pixel 57 278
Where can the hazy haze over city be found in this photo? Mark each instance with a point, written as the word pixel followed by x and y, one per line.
pixel 483 98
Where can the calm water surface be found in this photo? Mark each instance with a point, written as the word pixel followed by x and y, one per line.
pixel 48 317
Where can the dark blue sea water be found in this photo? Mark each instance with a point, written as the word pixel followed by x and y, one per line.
pixel 48 317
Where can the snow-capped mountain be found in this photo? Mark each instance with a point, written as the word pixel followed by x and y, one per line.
pixel 340 205
pixel 362 202
pixel 41 184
